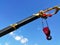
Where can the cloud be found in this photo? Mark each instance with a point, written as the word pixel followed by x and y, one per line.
pixel 11 33
pixel 35 44
pixel 18 38
pixel 6 43
pixel 0 44
pixel 22 39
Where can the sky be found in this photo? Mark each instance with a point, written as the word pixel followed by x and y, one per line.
pixel 12 11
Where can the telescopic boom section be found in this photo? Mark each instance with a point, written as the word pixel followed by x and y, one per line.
pixel 17 25
pixel 25 21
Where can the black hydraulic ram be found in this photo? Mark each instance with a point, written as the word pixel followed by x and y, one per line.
pixel 25 21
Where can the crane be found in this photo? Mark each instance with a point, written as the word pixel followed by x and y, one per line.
pixel 41 14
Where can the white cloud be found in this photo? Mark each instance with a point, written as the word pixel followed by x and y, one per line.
pixel 35 44
pixel 0 44
pixel 22 39
pixel 6 43
pixel 18 38
pixel 11 33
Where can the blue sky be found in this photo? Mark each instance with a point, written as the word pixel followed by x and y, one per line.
pixel 12 11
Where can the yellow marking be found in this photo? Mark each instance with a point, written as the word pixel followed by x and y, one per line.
pixel 39 14
pixel 13 25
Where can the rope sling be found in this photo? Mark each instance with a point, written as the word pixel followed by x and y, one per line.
pixel 46 29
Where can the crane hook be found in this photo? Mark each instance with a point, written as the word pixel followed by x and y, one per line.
pixel 47 32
